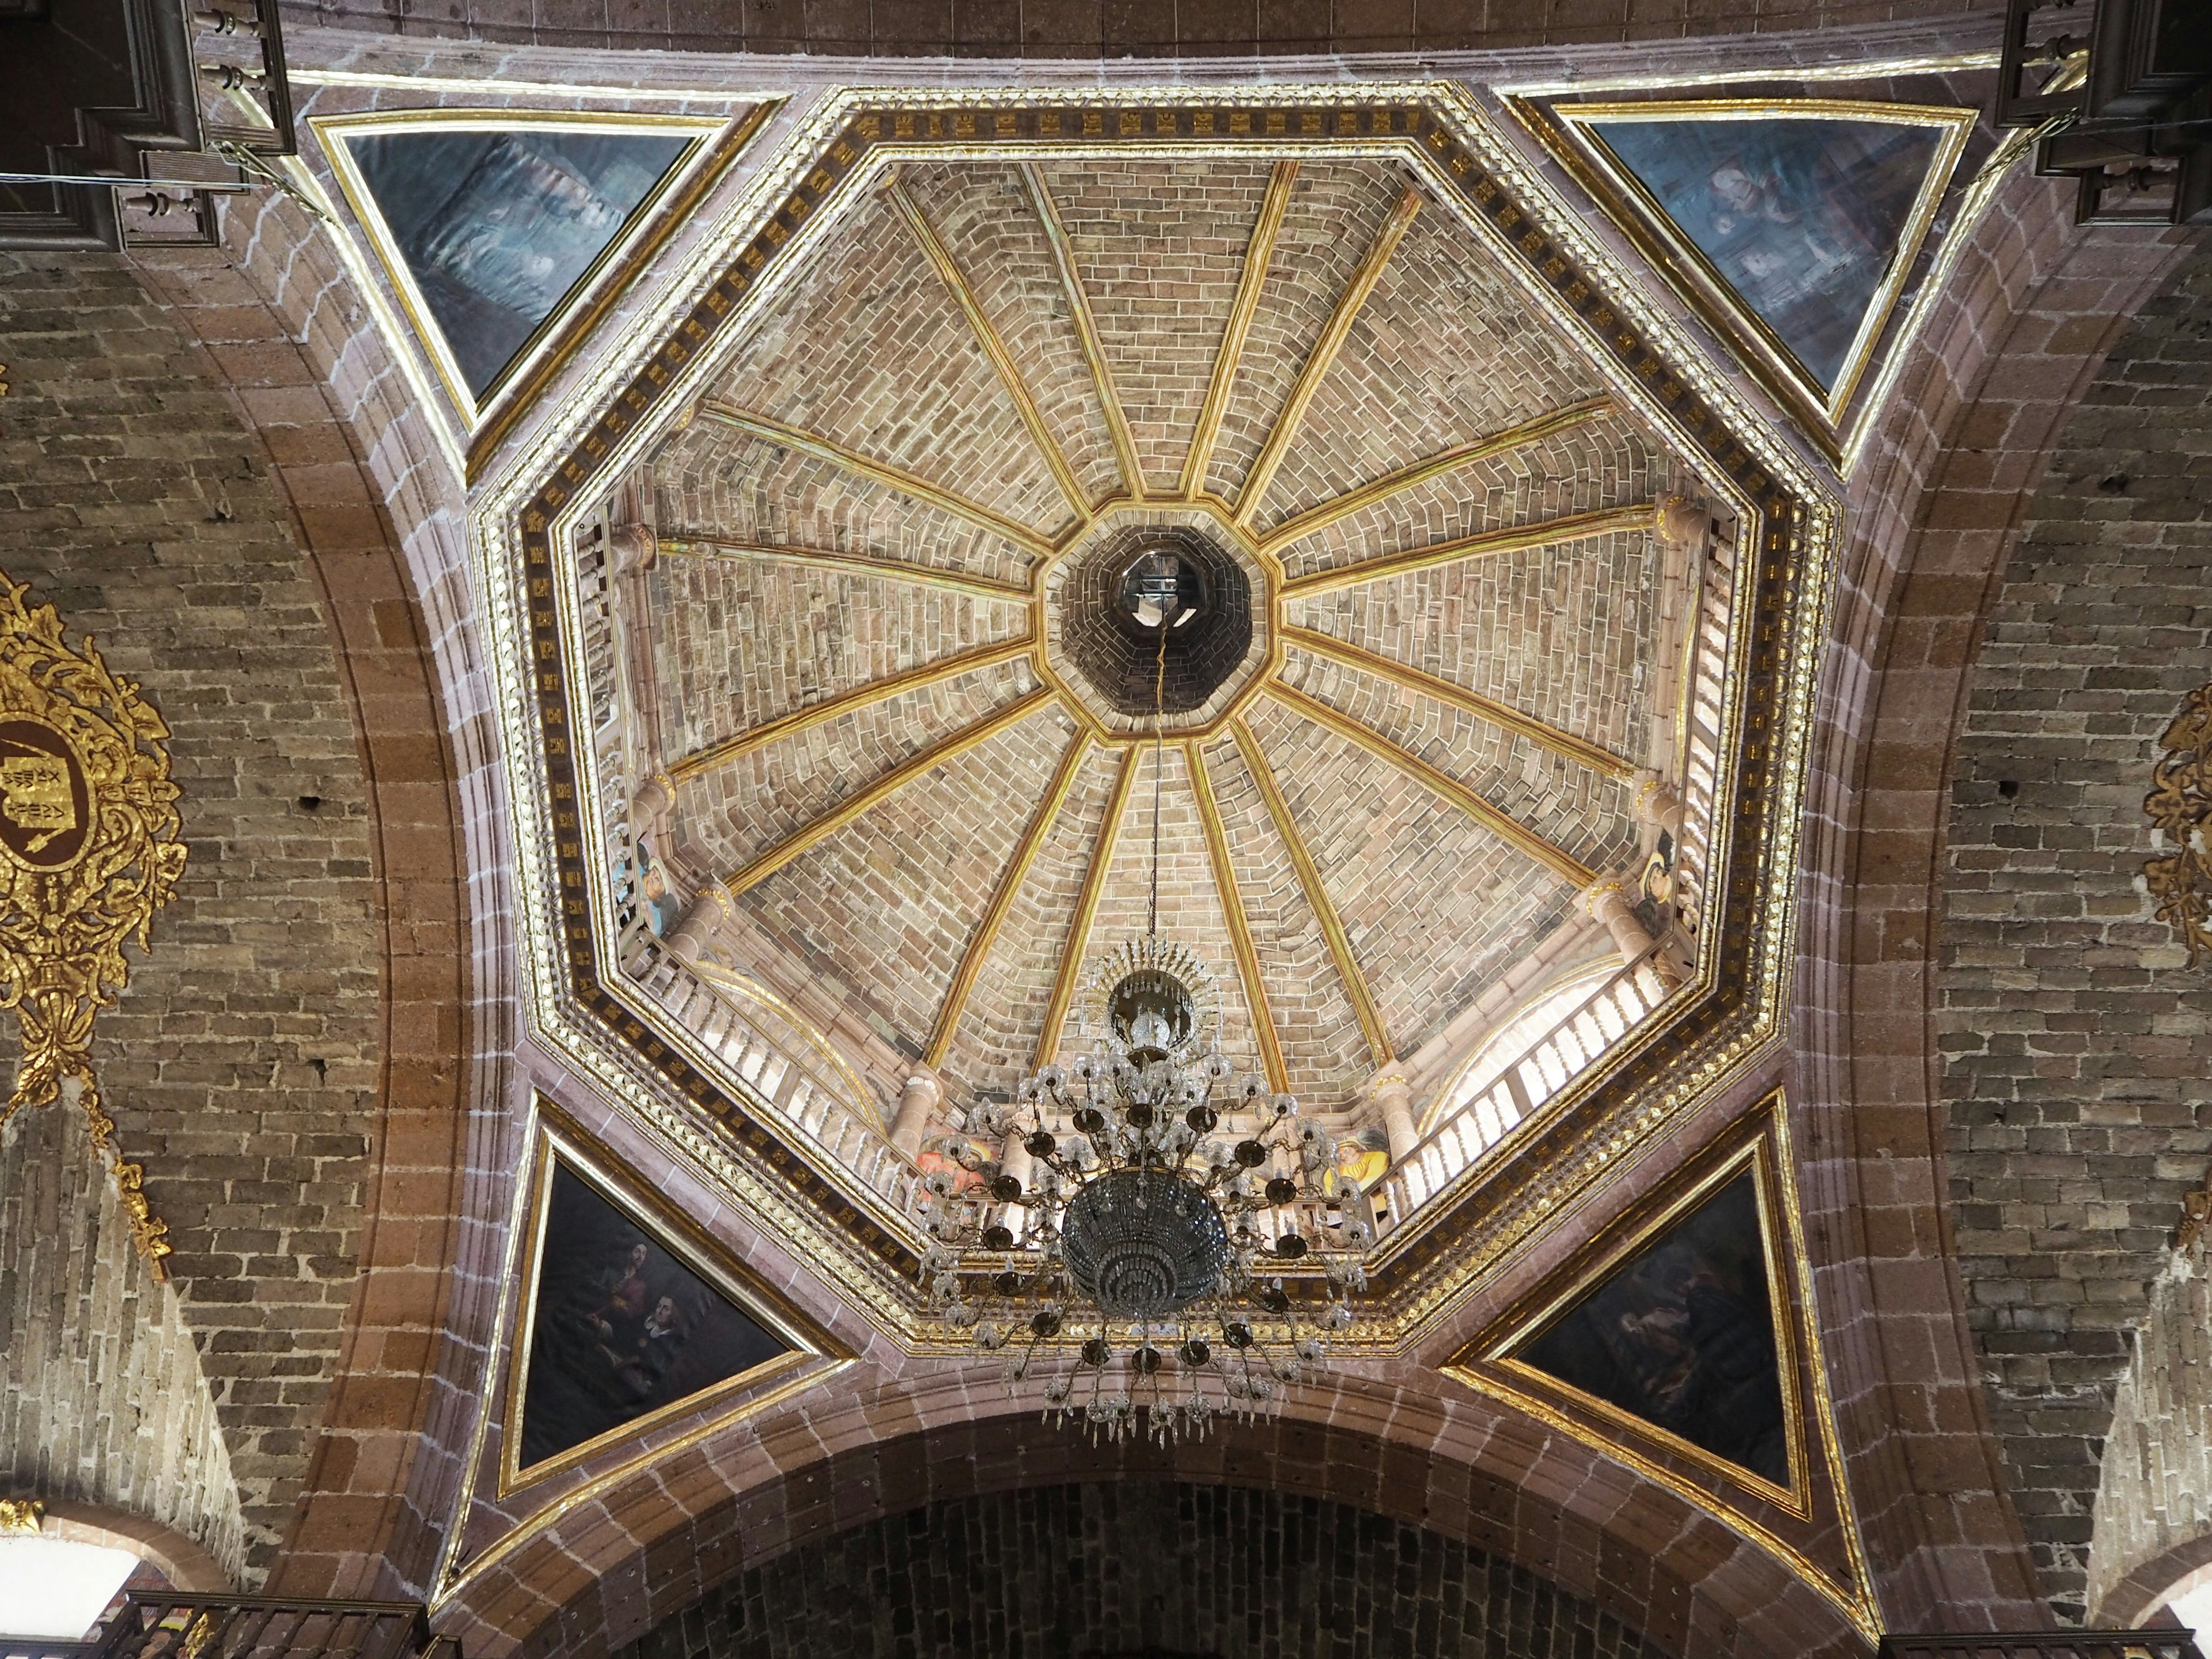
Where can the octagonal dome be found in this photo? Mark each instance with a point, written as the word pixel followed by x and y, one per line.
pixel 871 776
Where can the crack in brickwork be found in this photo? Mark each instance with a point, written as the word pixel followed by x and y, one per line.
pixel 242 1063
pixel 2076 1051
pixel 1058 1572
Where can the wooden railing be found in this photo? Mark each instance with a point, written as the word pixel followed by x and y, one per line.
pixel 2044 1644
pixel 179 1624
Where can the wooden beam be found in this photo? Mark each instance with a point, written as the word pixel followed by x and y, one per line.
pixel 1507 829
pixel 1324 354
pixel 1240 926
pixel 907 484
pixel 1258 253
pixel 1002 900
pixel 1086 329
pixel 1466 454
pixel 1086 910
pixel 855 564
pixel 914 766
pixel 715 755
pixel 987 335
pixel 1317 899
pixel 1548 738
pixel 1485 544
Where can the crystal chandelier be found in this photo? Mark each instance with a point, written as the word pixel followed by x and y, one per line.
pixel 1151 1238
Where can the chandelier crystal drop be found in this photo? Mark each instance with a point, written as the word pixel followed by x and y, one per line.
pixel 1154 1241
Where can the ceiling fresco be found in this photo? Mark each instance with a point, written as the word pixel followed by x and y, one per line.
pixel 847 771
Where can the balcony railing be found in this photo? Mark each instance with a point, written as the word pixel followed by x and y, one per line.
pixel 179 1625
pixel 2044 1644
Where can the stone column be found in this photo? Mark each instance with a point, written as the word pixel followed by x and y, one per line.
pixel 1392 1095
pixel 1654 801
pixel 1014 1158
pixel 917 1100
pixel 1606 901
pixel 707 912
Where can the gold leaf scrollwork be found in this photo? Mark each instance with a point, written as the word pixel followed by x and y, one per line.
pixel 2180 808
pixel 89 851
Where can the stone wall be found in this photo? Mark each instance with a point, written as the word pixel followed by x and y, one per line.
pixel 1159 1569
pixel 102 1398
pixel 2077 1047
pixel 2154 1516
pixel 243 1063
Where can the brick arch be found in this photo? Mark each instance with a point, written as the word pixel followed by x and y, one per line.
pixel 1220 1569
pixel 864 1448
pixel 1936 510
pixel 273 318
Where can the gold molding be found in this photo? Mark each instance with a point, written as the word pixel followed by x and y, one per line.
pixel 1405 478
pixel 1086 329
pixel 1483 544
pixel 1317 899
pixel 2180 805
pixel 20 1516
pixel 716 755
pixel 1572 133
pixel 764 865
pixel 1506 827
pixel 1505 718
pixel 1030 540
pixel 987 335
pixel 691 544
pixel 1002 898
pixel 1086 908
pixel 1758 1141
pixel 1259 254
pixel 1318 362
pixel 558 1140
pixel 91 845
pixel 1240 924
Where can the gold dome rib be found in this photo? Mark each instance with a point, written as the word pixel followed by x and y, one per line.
pixel 717 755
pixel 1086 908
pixel 1030 541
pixel 1002 900
pixel 1317 898
pixel 914 766
pixel 1466 454
pixel 1323 354
pixel 858 564
pixel 1506 719
pixel 1505 827
pixel 1483 544
pixel 1240 924
pixel 1258 254
pixel 994 348
pixel 1086 329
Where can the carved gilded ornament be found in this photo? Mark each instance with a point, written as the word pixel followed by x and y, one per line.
pixel 2180 808
pixel 20 1516
pixel 89 851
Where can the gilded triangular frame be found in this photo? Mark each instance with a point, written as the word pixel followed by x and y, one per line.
pixel 1758 1142
pixel 1572 133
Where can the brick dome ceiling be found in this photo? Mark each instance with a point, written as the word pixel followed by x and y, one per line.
pixel 870 548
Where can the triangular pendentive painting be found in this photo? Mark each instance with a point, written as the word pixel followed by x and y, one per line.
pixel 492 227
pixel 1793 223
pixel 1683 1337
pixel 629 1316
pixel 1678 1340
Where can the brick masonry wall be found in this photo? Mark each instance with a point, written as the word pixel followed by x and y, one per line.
pixel 1166 1570
pixel 2077 1046
pixel 102 1398
pixel 2154 1515
pixel 242 1064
